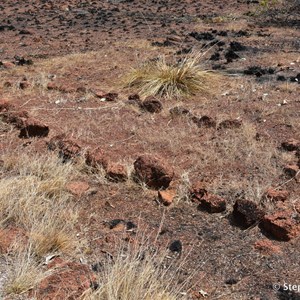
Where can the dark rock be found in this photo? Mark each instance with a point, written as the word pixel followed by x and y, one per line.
pixel 236 46
pixel 107 96
pixel 33 128
pixel 135 99
pixel 231 281
pixel 246 213
pixel 24 85
pixel 281 78
pixel 258 71
pixel 21 61
pixel 230 124
pixel 291 170
pixel 202 36
pixel 152 105
pixel 295 78
pixel 230 55
pixel 205 121
pixel 176 246
pixel 291 145
pixel 215 56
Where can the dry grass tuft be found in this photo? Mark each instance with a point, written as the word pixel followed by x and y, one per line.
pixel 22 273
pixel 160 78
pixel 137 273
pixel 33 197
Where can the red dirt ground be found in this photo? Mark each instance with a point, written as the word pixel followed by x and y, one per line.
pixel 80 50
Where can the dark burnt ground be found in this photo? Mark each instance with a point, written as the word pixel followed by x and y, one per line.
pixel 260 57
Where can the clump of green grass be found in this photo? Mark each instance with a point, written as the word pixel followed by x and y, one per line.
pixel 161 78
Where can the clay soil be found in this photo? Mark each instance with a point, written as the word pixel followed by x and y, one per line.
pixel 60 58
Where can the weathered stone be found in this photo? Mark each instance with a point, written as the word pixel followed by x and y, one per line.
pixel 153 172
pixel 283 225
pixel 246 213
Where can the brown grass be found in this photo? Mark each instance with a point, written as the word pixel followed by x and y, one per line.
pixel 161 78
pixel 22 272
pixel 138 272
pixel 33 197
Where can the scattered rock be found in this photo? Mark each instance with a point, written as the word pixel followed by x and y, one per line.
pixel 7 84
pixel 21 61
pixel 205 121
pixel 16 118
pixel 283 225
pixel 68 148
pixel 295 78
pixel 153 172
pixel 198 191
pixel 207 201
pixel 33 128
pixel 212 203
pixel 246 213
pixel 26 31
pixel 179 111
pixel 176 246
pixel 82 89
pixel 119 225
pixel 24 85
pixel 152 105
pixel 258 71
pixel 230 124
pixel 77 188
pixel 68 281
pixel 236 46
pixel 7 64
pixel 52 86
pixel 5 105
pixel 281 78
pixel 267 247
pixel 135 100
pixel 291 170
pixel 242 32
pixel 207 36
pixel 230 55
pixel 166 197
pixel 116 172
pixel 108 96
pixel 96 158
pixel 291 145
pixel 165 43
pixel 277 195
pixel 215 56
pixel 231 281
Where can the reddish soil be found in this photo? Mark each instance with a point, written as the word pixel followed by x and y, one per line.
pixel 62 63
